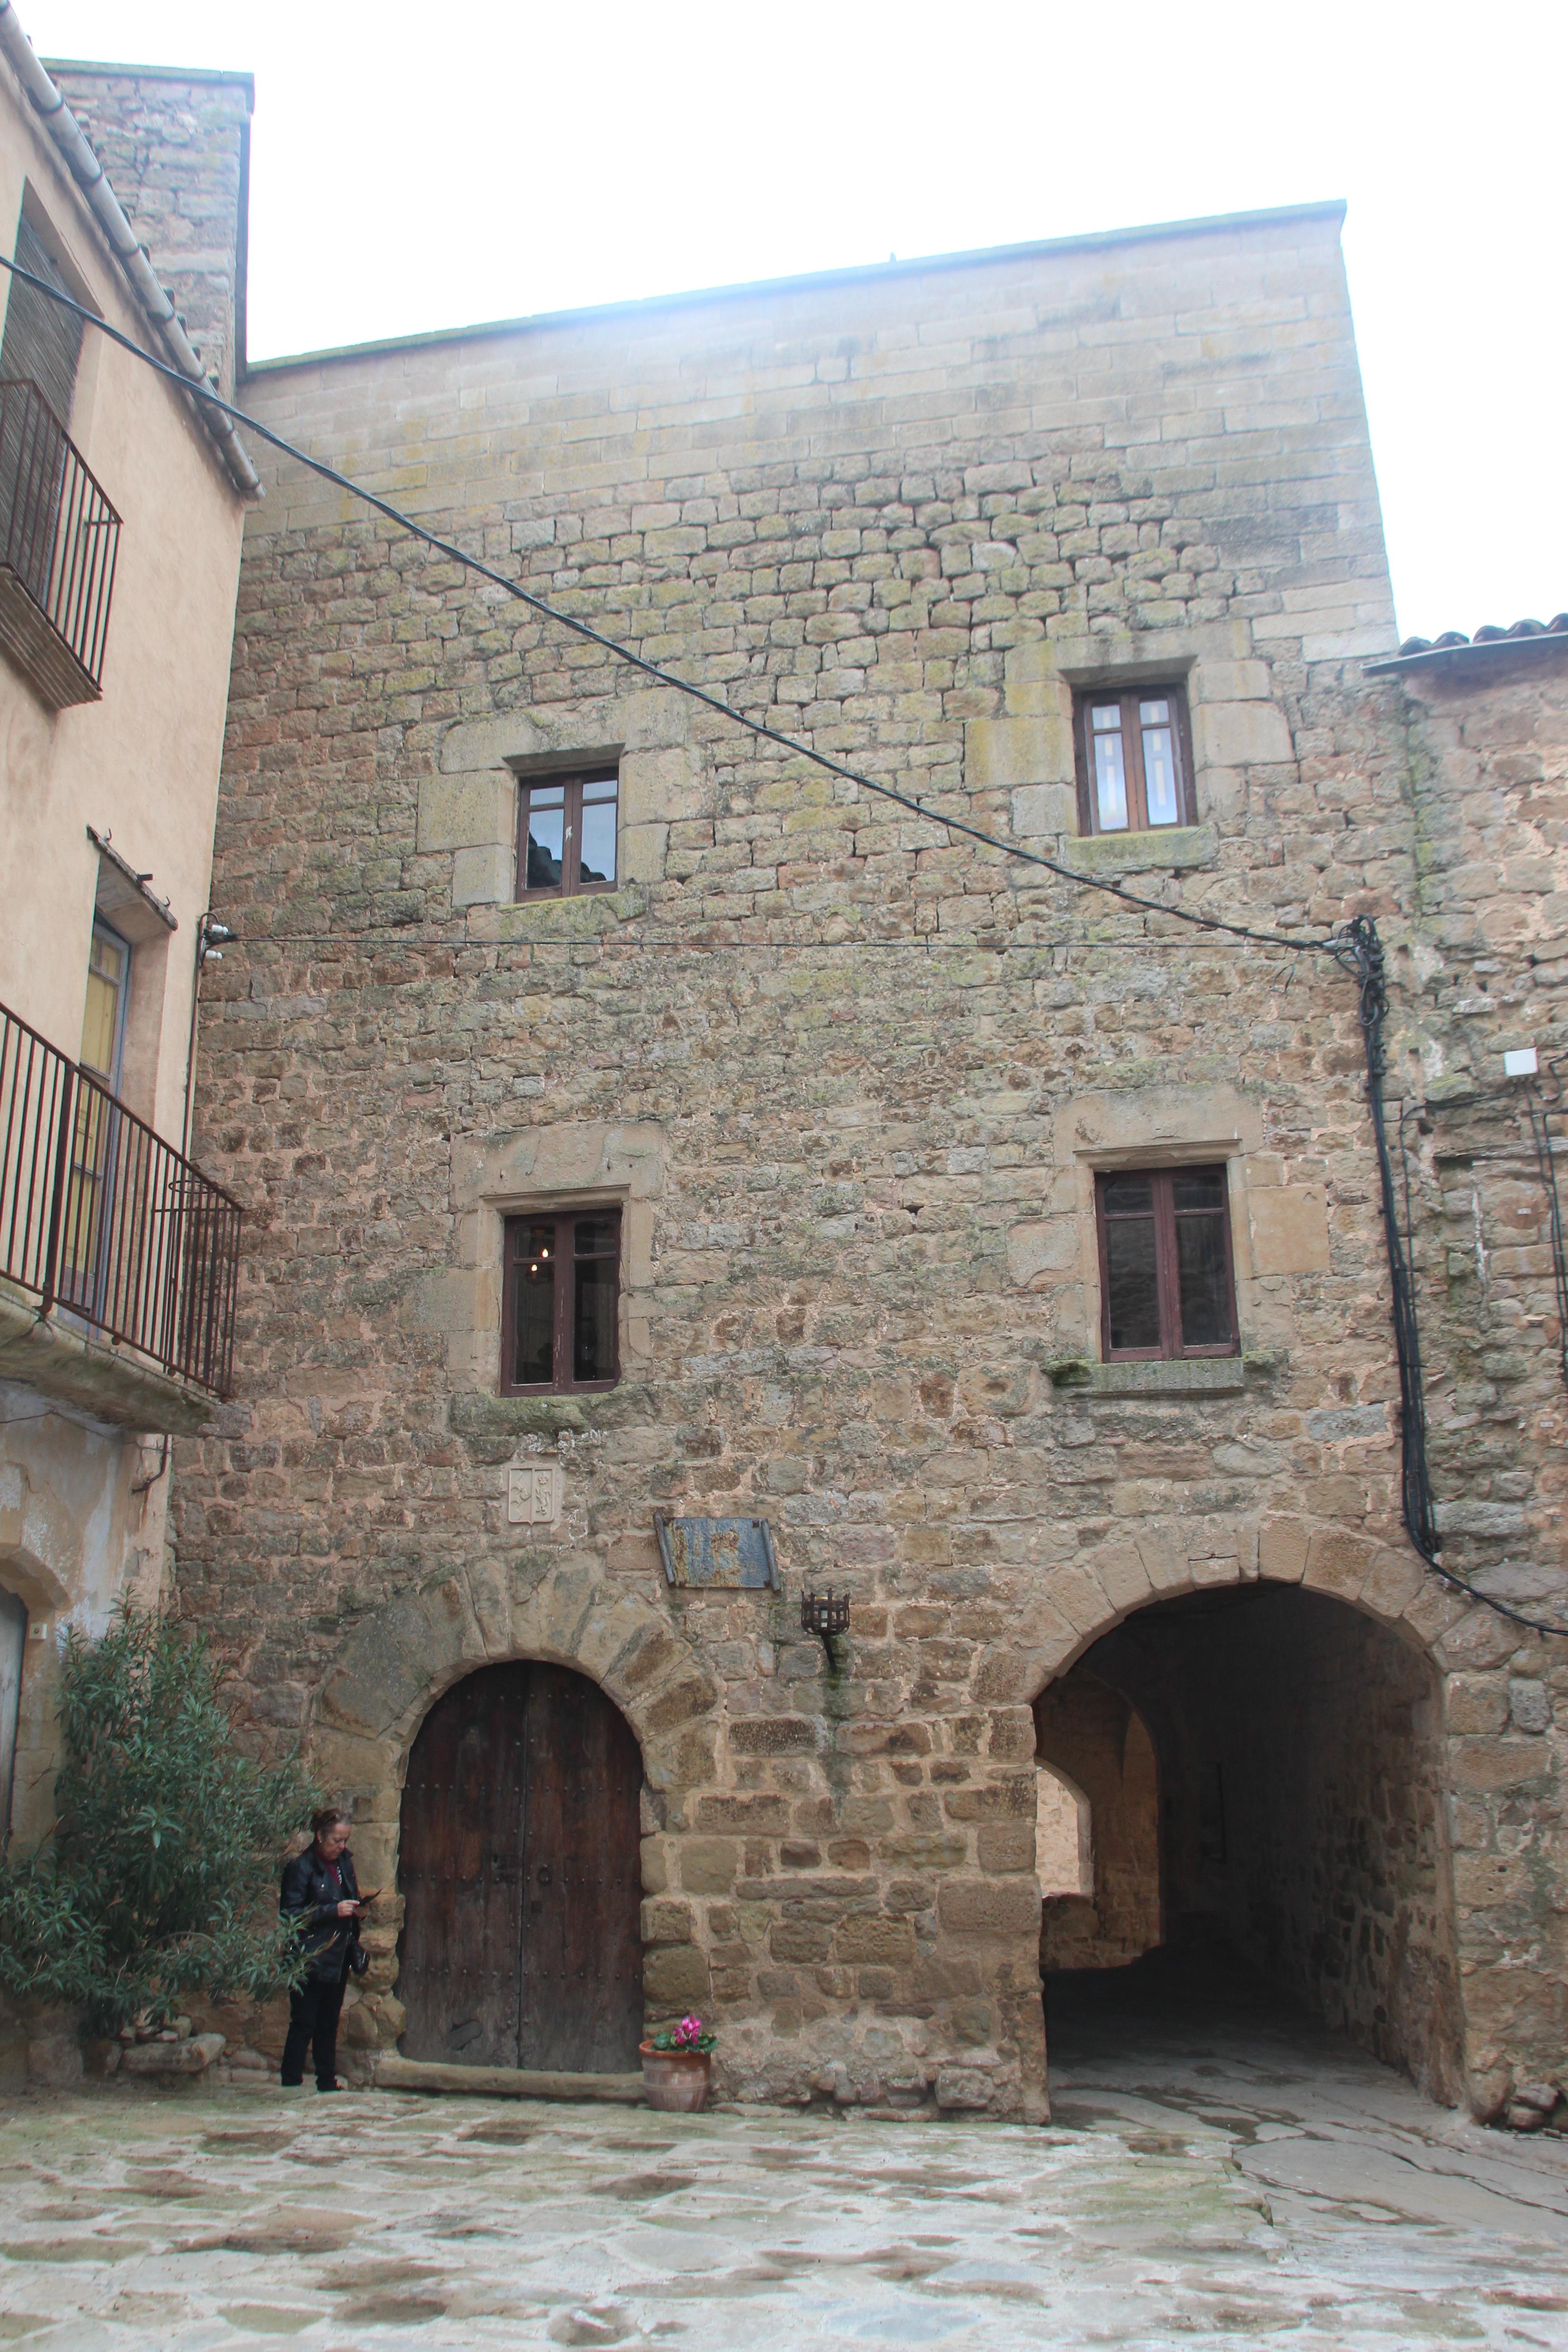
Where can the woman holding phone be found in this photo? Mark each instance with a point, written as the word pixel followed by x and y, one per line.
pixel 320 1896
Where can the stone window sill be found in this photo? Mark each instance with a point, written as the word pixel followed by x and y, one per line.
pixel 582 916
pixel 1188 1376
pixel 1178 845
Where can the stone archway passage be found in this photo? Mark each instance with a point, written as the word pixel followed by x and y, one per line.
pixel 1295 1745
pixel 522 1877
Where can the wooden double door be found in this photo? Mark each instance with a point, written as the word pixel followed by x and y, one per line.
pixel 521 1875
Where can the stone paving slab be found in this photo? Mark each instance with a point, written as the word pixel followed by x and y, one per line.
pixel 226 2219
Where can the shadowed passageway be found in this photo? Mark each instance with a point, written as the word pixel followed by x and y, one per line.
pixel 1252 1775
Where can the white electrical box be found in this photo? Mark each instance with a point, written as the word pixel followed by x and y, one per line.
pixel 1520 1063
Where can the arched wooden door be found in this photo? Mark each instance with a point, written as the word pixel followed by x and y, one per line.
pixel 521 1875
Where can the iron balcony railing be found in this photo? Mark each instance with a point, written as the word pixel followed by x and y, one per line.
pixel 59 538
pixel 101 1217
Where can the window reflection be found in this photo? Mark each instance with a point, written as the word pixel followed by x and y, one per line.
pixel 534 1304
pixel 546 838
pixel 598 843
pixel 566 835
pixel 1109 769
pixel 1159 763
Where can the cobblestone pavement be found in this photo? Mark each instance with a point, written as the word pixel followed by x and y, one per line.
pixel 1283 2190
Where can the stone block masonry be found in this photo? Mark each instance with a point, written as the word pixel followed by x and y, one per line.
pixel 850 1079
pixel 176 146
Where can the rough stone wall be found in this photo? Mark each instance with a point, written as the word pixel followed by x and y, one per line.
pixel 850 1076
pixel 1488 733
pixel 176 148
pixel 1101 1741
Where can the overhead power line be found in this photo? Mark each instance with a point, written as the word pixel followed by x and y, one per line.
pixel 1356 947
pixel 628 653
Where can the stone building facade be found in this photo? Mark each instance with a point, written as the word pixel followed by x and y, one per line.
pixel 850 1081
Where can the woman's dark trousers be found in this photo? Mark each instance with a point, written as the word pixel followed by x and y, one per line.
pixel 313 2018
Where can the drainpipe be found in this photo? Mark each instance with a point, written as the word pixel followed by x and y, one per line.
pixel 91 177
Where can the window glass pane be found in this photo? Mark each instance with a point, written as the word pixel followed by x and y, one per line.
pixel 600 787
pixel 546 838
pixel 594 1323
pixel 1107 714
pixel 108 963
pixel 1160 762
pixel 1128 1196
pixel 598 1236
pixel 1200 1271
pixel 1132 1297
pixel 1160 776
pixel 1110 779
pixel 534 1305
pixel 1199 1188
pixel 598 848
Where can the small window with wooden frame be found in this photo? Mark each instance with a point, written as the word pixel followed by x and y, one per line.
pixel 566 841
pixel 1167 1282
pixel 561 1301
pixel 1134 758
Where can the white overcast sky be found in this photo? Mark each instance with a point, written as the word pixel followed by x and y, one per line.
pixel 425 166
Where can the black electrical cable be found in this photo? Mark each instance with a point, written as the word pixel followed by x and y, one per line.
pixel 1356 947
pixel 1362 952
pixel 1539 1110
pixel 757 727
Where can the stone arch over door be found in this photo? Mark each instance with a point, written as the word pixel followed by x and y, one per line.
pixel 1338 1880
pixel 394 1667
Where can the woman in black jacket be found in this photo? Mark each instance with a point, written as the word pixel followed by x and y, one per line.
pixel 320 1896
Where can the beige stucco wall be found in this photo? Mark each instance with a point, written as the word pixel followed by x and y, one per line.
pixel 83 1495
pixel 143 761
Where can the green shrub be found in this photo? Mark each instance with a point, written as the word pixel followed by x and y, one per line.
pixel 159 1878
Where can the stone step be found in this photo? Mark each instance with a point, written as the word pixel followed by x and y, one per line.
pixel 391 2072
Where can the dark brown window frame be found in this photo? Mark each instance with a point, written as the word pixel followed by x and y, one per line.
pixel 1085 699
pixel 1170 1350
pixel 571 783
pixel 561 1383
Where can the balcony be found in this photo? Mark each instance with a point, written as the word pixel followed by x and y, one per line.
pixel 118 1257
pixel 58 541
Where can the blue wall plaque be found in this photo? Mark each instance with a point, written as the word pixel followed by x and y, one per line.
pixel 735 1555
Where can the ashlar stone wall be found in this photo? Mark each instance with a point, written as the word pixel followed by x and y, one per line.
pixel 850 1076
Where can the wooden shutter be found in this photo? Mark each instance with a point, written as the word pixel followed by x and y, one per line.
pixel 42 342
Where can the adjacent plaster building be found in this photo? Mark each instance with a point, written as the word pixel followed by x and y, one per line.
pixel 121 521
pixel 638 1127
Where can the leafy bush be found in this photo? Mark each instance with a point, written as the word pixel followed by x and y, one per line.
pixel 160 1877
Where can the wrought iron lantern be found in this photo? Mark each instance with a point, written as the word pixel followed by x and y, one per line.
pixel 826 1614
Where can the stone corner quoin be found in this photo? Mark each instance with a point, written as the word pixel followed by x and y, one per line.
pixel 850 1079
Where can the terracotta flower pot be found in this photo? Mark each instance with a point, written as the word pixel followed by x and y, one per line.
pixel 676 2080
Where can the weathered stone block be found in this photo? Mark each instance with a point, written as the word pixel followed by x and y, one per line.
pixel 978 1906
pixel 999 753
pixel 709 1865
pixel 676 1979
pixel 887 1943
pixel 1289 1229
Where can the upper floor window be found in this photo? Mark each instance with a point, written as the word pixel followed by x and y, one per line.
pixel 567 835
pixel 42 342
pixel 1134 768
pixel 560 1299
pixel 1166 1282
